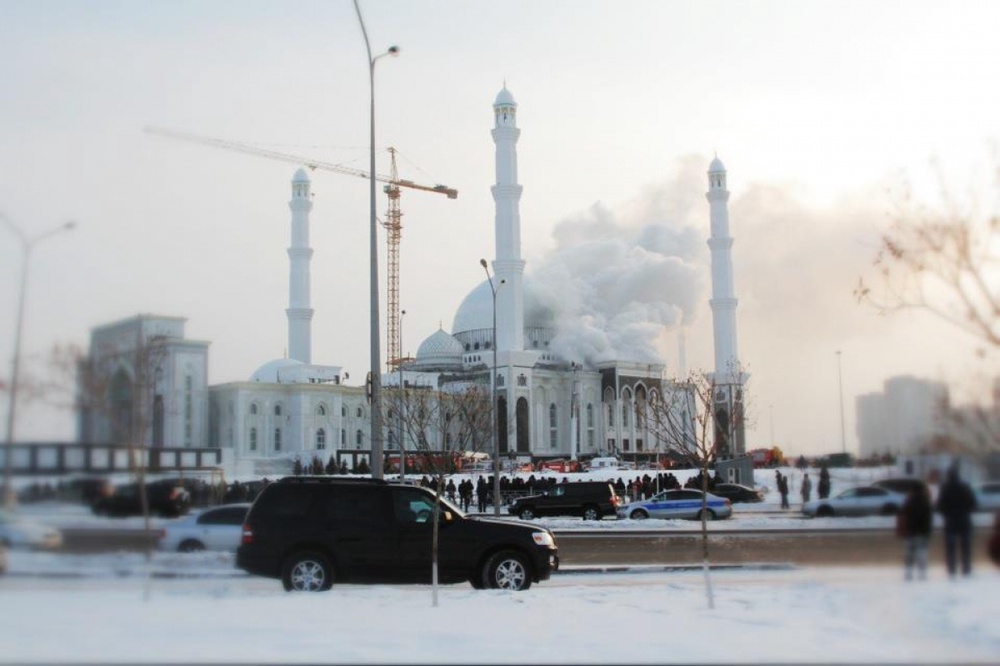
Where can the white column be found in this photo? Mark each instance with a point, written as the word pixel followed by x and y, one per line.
pixel 299 255
pixel 508 265
pixel 724 300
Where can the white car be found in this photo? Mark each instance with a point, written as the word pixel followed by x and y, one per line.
pixel 16 532
pixel 218 528
pixel 860 501
pixel 988 496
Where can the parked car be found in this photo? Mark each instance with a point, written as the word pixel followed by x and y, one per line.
pixel 166 499
pixel 902 485
pixel 736 492
pixel 19 532
pixel 591 500
pixel 860 501
pixel 312 531
pixel 678 503
pixel 218 528
pixel 988 496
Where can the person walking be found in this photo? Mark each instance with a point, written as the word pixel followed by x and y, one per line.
pixel 955 503
pixel 823 488
pixel 806 489
pixel 783 489
pixel 914 524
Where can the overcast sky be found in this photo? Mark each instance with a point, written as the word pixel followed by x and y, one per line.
pixel 819 110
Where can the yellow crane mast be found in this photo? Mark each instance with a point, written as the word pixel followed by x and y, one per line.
pixel 393 223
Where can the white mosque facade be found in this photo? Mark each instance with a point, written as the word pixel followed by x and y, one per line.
pixel 555 407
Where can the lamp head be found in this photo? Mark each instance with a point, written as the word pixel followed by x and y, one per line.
pixel 482 262
pixel 393 51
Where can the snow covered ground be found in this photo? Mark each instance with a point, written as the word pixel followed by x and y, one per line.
pixel 866 615
pixel 184 608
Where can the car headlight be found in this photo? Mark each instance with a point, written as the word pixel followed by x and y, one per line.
pixel 543 539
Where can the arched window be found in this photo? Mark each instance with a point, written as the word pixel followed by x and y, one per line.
pixel 321 439
pixel 253 409
pixel 277 439
pixel 277 410
pixel 553 426
pixel 343 411
pixel 361 412
pixel 343 437
pixel 611 415
pixel 358 437
pixel 253 439
pixel 321 411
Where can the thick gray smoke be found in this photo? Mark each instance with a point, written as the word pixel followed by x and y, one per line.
pixel 618 280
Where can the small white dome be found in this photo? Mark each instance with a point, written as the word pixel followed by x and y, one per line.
pixel 270 372
pixel 716 166
pixel 300 176
pixel 504 98
pixel 439 349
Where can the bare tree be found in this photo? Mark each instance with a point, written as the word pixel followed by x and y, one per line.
pixel 945 261
pixel 686 421
pixel 440 425
pixel 118 400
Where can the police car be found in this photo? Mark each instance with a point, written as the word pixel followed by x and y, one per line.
pixel 679 503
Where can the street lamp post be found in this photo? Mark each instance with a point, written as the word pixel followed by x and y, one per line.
pixel 377 462
pixel 493 396
pixel 840 377
pixel 27 245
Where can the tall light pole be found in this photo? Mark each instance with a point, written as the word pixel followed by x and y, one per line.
pixel 840 376
pixel 27 245
pixel 399 407
pixel 494 418
pixel 377 462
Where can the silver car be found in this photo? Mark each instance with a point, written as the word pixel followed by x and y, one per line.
pixel 988 496
pixel 678 503
pixel 218 528
pixel 860 501
pixel 18 532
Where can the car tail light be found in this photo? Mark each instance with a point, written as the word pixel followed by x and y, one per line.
pixel 247 536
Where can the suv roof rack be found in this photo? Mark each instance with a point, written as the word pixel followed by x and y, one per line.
pixel 329 479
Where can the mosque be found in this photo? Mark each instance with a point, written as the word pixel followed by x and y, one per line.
pixel 556 407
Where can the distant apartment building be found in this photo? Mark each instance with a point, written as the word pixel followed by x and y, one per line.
pixel 904 418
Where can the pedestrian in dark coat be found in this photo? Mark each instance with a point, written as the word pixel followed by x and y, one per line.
pixel 956 502
pixel 783 489
pixel 806 489
pixel 914 524
pixel 823 488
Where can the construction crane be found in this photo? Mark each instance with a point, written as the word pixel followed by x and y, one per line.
pixel 393 223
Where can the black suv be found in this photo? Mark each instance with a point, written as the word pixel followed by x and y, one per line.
pixel 591 500
pixel 311 531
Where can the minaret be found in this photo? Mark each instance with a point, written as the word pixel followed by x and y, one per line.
pixel 299 254
pixel 728 377
pixel 508 266
pixel 723 301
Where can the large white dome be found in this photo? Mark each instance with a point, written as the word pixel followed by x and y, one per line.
pixel 476 310
pixel 270 372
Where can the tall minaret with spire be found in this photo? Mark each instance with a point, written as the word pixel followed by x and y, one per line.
pixel 299 312
pixel 728 377
pixel 508 265
pixel 723 301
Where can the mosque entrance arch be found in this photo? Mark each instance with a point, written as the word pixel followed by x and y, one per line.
pixel 523 429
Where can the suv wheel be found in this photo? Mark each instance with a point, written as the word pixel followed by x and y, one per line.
pixel 506 570
pixel 307 571
pixel 527 513
pixel 591 513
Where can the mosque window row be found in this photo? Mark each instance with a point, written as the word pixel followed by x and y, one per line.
pixel 321 439
pixel 277 439
pixel 253 439
pixel 553 427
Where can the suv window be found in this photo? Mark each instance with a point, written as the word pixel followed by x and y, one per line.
pixel 286 501
pixel 412 506
pixel 354 505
